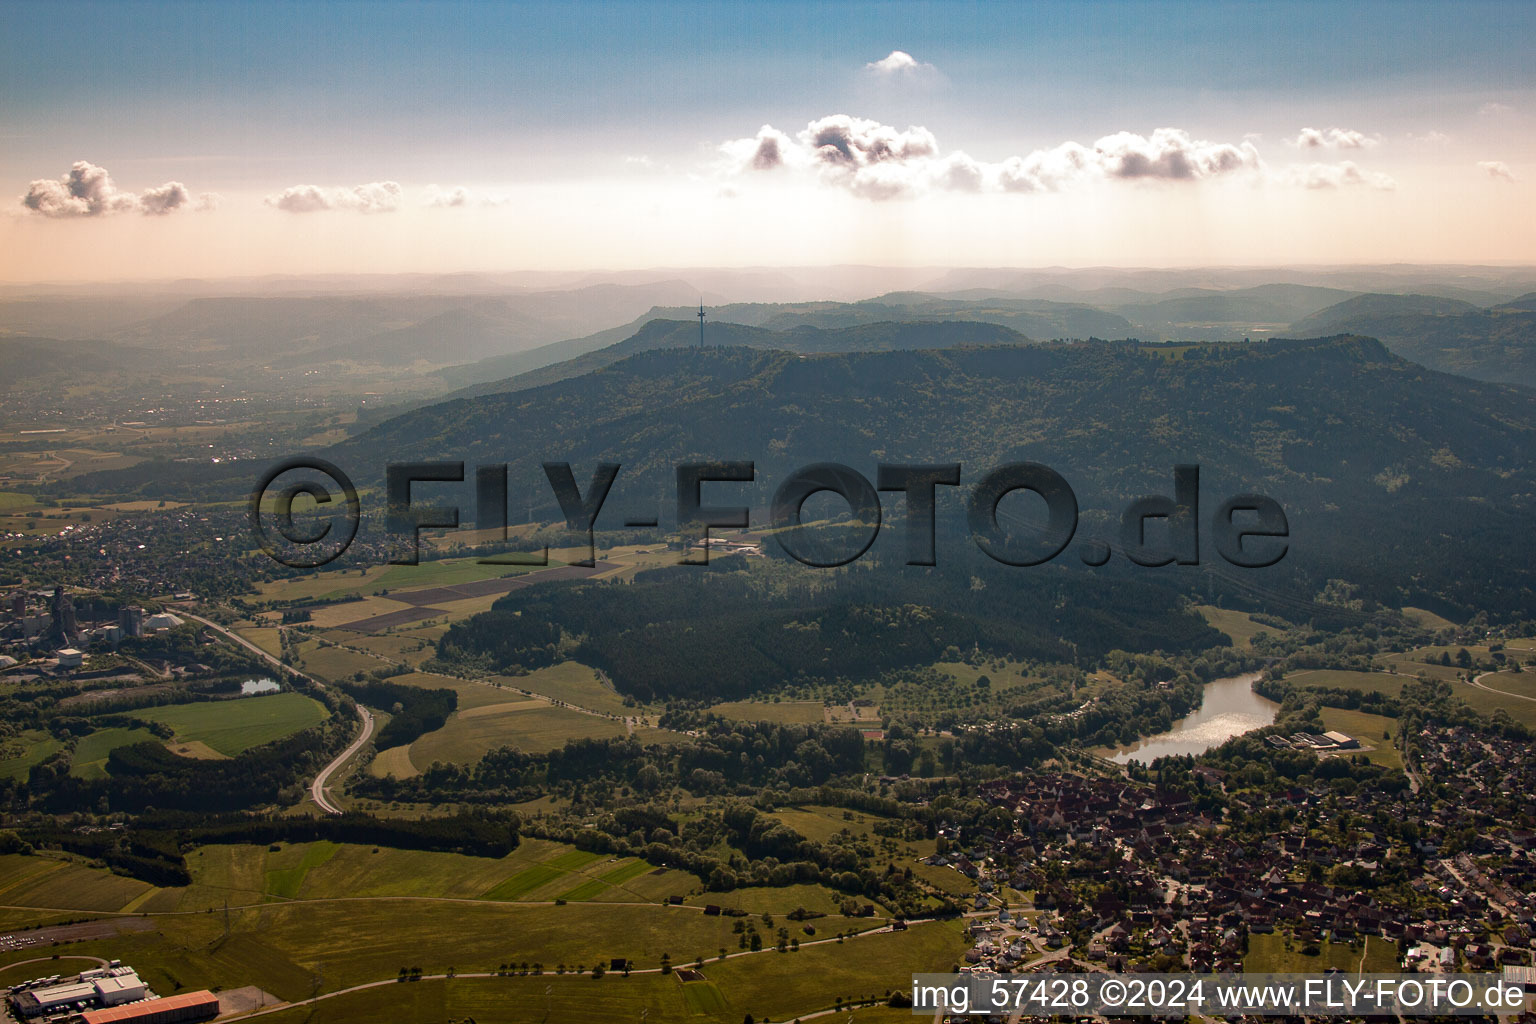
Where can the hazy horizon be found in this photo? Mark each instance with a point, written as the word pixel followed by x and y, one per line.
pixel 213 141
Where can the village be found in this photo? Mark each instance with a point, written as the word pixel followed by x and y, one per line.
pixel 1129 877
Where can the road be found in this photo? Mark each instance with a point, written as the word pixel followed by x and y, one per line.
pixel 1477 681
pixel 317 787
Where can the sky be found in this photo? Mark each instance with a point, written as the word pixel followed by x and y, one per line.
pixel 180 139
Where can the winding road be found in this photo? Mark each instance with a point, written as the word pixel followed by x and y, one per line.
pixel 317 787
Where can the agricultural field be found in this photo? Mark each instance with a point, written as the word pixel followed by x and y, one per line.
pixel 265 637
pixel 62 883
pixel 766 985
pixel 393 647
pixel 25 750
pixel 789 712
pixel 233 726
pixel 1521 709
pixel 527 725
pixel 1428 619
pixel 754 900
pixel 394 761
pixel 471 694
pixel 336 663
pixel 91 750
pixel 1366 682
pixel 1369 730
pixel 573 683
pixel 1522 683
pixel 1238 626
pixel 821 823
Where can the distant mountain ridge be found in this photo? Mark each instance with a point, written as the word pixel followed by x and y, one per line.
pixel 1496 344
pixel 1356 442
pixel 389 329
pixel 25 358
pixel 804 339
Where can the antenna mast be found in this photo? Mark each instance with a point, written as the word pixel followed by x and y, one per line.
pixel 701 323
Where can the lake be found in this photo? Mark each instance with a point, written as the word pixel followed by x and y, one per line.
pixel 1231 708
pixel 251 686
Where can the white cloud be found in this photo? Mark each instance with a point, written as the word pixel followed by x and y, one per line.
pixel 1344 174
pixel 1431 138
pixel 209 201
pixel 459 197
pixel 1496 169
pixel 900 64
pixel 1492 109
pixel 89 191
pixel 1333 138
pixel 878 161
pixel 374 197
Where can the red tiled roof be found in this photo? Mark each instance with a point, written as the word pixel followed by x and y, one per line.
pixel 133 1011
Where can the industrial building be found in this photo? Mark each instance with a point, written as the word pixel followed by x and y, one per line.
pixel 111 986
pixel 189 1006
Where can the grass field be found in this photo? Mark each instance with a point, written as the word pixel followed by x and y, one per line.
pixel 572 682
pixel 62 884
pixel 570 997
pixel 536 870
pixel 395 761
pixel 299 949
pixel 1366 682
pixel 31 747
pixel 1368 729
pixel 471 694
pixel 778 900
pixel 1518 708
pixel 1519 683
pixel 338 663
pixel 1267 954
pixel 265 637
pixel 1238 626
pixel 820 823
pixel 797 712
pixel 14 501
pixel 535 729
pixel 287 881
pixel 1428 619
pixel 395 648
pixel 233 726
pixel 90 760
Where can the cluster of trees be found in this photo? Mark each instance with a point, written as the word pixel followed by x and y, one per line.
pixel 725 757
pixel 685 632
pixel 414 711
pixel 152 848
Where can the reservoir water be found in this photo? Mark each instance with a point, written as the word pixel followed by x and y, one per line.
pixel 1230 709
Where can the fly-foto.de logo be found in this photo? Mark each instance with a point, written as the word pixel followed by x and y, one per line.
pixel 1248 530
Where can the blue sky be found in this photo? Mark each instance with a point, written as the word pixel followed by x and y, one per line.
pixel 248 99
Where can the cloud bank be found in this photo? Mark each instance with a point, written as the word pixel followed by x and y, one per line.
pixel 460 197
pixel 1333 138
pixel 879 161
pixel 374 197
pixel 1344 174
pixel 89 191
